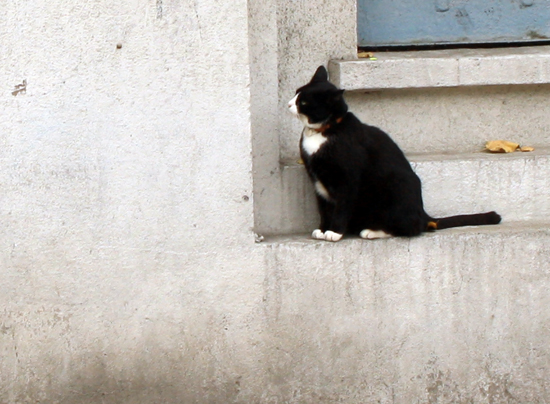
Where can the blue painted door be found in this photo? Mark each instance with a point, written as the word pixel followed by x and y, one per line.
pixel 427 22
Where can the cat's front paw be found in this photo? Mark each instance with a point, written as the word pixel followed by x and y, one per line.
pixel 318 235
pixel 332 236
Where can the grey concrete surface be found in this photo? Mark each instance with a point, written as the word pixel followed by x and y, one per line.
pixel 138 156
pixel 126 203
pixel 444 68
pixel 457 120
pixel 515 185
pixel 264 107
pixel 456 316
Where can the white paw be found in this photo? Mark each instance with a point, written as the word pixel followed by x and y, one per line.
pixel 373 234
pixel 332 236
pixel 318 234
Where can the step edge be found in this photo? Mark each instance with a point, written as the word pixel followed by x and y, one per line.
pixel 510 228
pixel 444 68
pixel 482 155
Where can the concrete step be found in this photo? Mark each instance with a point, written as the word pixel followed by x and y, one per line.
pixel 462 119
pixel 448 100
pixel 516 185
pixel 444 68
pixel 459 315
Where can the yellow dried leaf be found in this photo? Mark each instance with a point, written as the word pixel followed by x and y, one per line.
pixel 365 54
pixel 526 148
pixel 501 146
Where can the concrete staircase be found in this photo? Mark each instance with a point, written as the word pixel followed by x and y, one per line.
pixel 441 107
pixel 515 185
pixel 455 316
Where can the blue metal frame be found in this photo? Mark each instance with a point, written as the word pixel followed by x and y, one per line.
pixel 428 22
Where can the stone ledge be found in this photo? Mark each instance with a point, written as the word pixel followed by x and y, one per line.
pixel 512 229
pixel 515 185
pixel 468 303
pixel 444 68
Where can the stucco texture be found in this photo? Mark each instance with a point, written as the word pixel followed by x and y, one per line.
pixel 129 272
pixel 126 201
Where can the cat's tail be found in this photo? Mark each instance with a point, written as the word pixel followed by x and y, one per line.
pixel 477 219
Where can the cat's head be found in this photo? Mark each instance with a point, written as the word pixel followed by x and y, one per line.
pixel 319 102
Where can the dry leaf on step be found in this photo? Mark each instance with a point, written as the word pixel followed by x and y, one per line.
pixel 504 146
pixel 501 146
pixel 365 54
pixel 526 148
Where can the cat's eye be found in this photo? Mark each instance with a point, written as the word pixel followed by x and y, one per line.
pixel 302 103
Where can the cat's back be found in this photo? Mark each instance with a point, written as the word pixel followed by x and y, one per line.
pixel 362 138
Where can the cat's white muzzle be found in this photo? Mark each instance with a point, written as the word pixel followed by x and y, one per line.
pixel 292 107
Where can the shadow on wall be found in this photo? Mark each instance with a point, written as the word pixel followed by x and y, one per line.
pixel 155 376
pixel 152 361
pixel 181 375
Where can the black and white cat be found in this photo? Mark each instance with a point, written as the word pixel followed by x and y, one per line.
pixel 363 182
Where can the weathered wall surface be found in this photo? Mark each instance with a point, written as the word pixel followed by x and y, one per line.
pixel 457 316
pixel 126 202
pixel 98 124
pixel 131 138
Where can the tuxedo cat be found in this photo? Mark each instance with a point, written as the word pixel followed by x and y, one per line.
pixel 363 182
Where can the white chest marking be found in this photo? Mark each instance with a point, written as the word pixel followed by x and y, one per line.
pixel 321 190
pixel 312 141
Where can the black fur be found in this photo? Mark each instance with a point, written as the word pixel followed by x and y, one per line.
pixel 368 178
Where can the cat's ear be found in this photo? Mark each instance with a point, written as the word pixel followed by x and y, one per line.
pixel 320 75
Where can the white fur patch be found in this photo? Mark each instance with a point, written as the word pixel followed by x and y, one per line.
pixel 374 234
pixel 332 236
pixel 312 141
pixel 318 234
pixel 321 190
pixel 292 107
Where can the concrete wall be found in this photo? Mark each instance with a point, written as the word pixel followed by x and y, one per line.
pixel 126 202
pixel 460 119
pixel 141 148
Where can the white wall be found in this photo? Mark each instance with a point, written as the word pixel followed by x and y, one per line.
pixel 128 268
